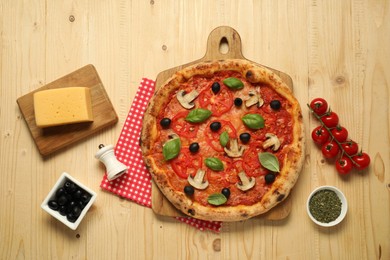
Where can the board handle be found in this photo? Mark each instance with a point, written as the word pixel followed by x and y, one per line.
pixel 223 43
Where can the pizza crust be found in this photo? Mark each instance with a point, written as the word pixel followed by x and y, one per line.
pixel 293 162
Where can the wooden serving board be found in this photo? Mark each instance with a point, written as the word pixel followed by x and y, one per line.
pixel 51 139
pixel 223 43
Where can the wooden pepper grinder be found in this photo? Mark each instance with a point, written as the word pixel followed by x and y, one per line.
pixel 107 157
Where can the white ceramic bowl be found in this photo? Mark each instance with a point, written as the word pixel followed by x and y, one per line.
pixel 344 206
pixel 60 182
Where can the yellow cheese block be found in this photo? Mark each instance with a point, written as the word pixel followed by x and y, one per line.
pixel 62 106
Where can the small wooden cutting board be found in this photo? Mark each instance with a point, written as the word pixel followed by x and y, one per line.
pixel 51 139
pixel 223 43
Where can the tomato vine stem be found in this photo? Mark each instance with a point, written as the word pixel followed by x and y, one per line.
pixel 332 136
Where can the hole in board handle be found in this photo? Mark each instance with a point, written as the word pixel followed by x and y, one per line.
pixel 223 46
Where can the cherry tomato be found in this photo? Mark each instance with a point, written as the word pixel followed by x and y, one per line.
pixel 350 147
pixel 186 163
pixel 319 106
pixel 320 135
pixel 344 165
pixel 330 119
pixel 362 160
pixel 182 127
pixel 218 103
pixel 330 149
pixel 340 133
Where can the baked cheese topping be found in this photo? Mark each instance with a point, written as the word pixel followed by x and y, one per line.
pixel 273 137
pixel 62 106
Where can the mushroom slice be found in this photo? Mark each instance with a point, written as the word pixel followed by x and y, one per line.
pixel 234 150
pixel 173 136
pixel 272 140
pixel 246 183
pixel 197 181
pixel 254 98
pixel 185 99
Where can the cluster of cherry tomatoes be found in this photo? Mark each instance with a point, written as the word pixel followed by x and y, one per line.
pixel 334 141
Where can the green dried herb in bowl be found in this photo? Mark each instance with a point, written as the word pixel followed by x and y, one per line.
pixel 327 206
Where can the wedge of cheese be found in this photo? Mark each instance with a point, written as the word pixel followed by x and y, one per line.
pixel 62 106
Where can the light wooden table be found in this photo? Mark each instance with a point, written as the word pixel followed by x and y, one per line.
pixel 335 49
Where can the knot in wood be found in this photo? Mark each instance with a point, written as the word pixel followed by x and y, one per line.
pixel 217 245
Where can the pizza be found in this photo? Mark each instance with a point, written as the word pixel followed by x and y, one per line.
pixel 223 140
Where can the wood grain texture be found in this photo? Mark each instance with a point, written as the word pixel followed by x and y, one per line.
pixel 334 49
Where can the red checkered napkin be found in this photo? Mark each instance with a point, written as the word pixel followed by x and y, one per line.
pixel 136 184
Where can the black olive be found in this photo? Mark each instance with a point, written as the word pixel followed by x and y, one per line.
pixel 77 194
pixel 62 200
pixel 269 178
pixel 194 147
pixel 215 126
pixel 275 104
pixel 245 137
pixel 80 204
pixel 70 187
pixel 60 192
pixel 53 204
pixel 72 204
pixel 238 102
pixel 226 192
pixel 68 196
pixel 67 186
pixel 189 190
pixel 71 218
pixel 76 211
pixel 165 122
pixel 62 210
pixel 85 198
pixel 215 87
pixel 67 209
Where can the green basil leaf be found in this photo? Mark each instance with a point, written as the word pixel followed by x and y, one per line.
pixel 269 161
pixel 253 121
pixel 198 115
pixel 217 199
pixel 233 83
pixel 171 149
pixel 224 138
pixel 214 163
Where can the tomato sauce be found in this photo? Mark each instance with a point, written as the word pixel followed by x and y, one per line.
pixel 278 122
